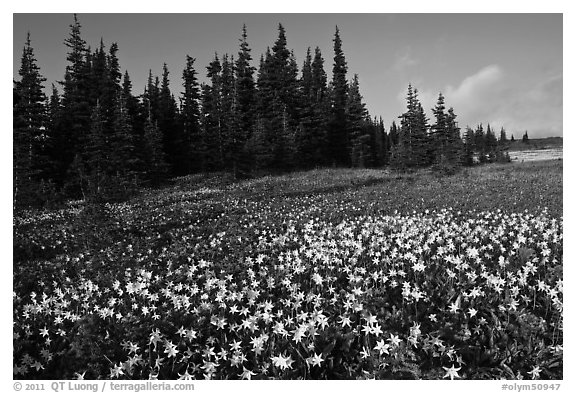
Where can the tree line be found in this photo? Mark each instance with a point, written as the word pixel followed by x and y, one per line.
pixel 93 138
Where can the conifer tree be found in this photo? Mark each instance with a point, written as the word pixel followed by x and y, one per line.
pixel 525 137
pixel 454 146
pixel 151 97
pixel 321 109
pixel 155 162
pixel 439 131
pixel 469 147
pixel 74 123
pixel 190 114
pixel 503 138
pixel 338 129
pixel 135 111
pixel 229 123
pixel 421 144
pixel 245 106
pixel 124 168
pixel 95 158
pixel 394 134
pixel 491 143
pixel 168 125
pixel 358 126
pixel 213 155
pixel 29 126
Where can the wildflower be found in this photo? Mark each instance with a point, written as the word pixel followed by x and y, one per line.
pixel 171 349
pixel 80 377
pixel 246 374
pixel 535 372
pixel 116 371
pixel 382 347
pixel 282 362
pixel 315 360
pixel 344 321
pixel 453 307
pixel 451 372
pixel 394 340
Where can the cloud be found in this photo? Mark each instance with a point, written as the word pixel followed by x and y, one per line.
pixel 493 96
pixel 478 86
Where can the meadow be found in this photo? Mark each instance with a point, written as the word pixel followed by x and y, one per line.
pixel 325 274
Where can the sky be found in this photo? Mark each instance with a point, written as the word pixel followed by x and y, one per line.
pixel 502 69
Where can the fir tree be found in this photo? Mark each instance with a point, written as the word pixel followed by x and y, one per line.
pixel 491 143
pixel 96 158
pixel 454 146
pixel 394 133
pixel 245 106
pixel 413 148
pixel 358 125
pixel 123 164
pixel 469 147
pixel 525 137
pixel 190 114
pixel 29 125
pixel 480 144
pixel 503 138
pixel 338 135
pixel 75 120
pixel 439 131
pixel 213 155
pixel 229 124
pixel 155 162
pixel 422 150
pixel 167 123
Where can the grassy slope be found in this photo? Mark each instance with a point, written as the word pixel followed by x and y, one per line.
pixel 203 205
pixel 214 218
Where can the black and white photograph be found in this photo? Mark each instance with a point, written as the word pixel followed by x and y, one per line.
pixel 287 196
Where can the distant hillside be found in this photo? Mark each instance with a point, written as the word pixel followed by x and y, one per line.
pixel 537 144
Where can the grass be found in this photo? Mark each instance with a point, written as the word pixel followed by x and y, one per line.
pixel 208 233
